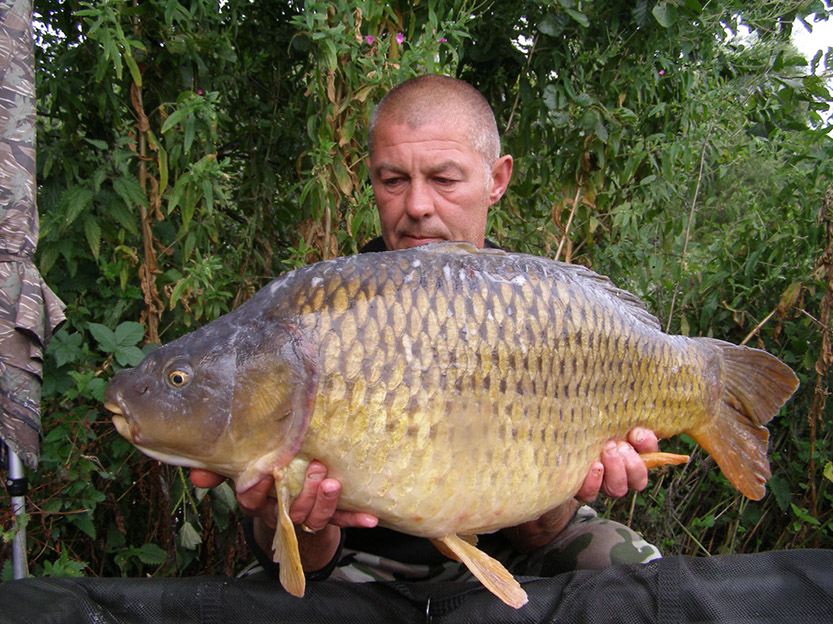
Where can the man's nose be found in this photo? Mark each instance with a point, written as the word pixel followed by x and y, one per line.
pixel 419 202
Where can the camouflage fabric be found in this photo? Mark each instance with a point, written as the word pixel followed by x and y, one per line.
pixel 29 311
pixel 587 543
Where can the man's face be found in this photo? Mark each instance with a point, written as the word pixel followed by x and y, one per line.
pixel 431 184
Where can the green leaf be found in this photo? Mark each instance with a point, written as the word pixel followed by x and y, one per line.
pixel 828 471
pixel 804 515
pixel 96 388
pixel 93 233
pixel 640 12
pixel 190 126
pixel 133 67
pixel 129 356
pixel 585 99
pixel 174 118
pixel 345 184
pixel 66 347
pixel 130 191
pixel 84 522
pixel 102 145
pixel 179 189
pixel 665 14
pixel 151 554
pixel 581 18
pixel 224 496
pixel 550 97
pixel 104 336
pixel 188 537
pixel 780 488
pixel 75 199
pixel 129 333
pixel 550 26
pixel 163 169
pixel 123 215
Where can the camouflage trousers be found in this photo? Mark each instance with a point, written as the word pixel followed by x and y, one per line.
pixel 587 543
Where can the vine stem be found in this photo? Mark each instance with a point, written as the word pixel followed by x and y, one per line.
pixel 518 93
pixel 688 225
pixel 566 234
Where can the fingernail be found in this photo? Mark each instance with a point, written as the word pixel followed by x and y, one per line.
pixel 639 436
pixel 623 448
pixel 330 487
pixel 610 447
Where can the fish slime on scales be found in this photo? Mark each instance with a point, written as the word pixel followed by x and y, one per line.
pixel 453 391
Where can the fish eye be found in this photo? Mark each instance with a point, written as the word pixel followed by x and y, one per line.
pixel 179 378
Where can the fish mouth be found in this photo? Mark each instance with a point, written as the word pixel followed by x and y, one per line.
pixel 123 427
pixel 120 421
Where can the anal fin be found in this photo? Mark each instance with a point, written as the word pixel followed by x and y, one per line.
pixel 487 570
pixel 285 543
pixel 655 460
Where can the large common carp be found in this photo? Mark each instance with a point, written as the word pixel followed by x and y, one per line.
pixel 451 390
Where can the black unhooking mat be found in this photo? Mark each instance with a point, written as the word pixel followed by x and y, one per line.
pixel 776 587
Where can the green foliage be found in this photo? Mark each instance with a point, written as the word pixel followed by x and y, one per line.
pixel 189 153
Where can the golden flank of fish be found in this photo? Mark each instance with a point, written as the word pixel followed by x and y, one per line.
pixel 452 391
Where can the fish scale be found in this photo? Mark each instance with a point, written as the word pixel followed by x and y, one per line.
pixel 451 390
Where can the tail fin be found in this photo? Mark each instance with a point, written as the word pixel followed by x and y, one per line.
pixel 756 385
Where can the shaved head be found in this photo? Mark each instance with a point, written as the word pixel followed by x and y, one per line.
pixel 433 97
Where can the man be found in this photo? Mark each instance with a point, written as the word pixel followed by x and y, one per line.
pixel 436 168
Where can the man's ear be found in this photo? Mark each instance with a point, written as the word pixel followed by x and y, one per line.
pixel 499 178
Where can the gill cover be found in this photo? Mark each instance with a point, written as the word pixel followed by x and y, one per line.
pixel 274 390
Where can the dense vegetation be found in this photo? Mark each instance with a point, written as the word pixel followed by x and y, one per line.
pixel 188 152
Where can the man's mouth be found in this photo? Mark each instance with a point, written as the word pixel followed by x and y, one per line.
pixel 413 240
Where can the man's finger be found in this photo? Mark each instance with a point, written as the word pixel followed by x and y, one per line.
pixel 635 468
pixel 252 500
pixel 305 501
pixel 354 519
pixel 589 490
pixel 615 475
pixel 643 440
pixel 205 478
pixel 324 505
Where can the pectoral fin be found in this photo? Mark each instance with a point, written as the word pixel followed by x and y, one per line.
pixel 655 460
pixel 488 571
pixel 285 543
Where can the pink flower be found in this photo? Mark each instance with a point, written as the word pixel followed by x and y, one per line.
pixel 400 38
pixel 662 72
pixel 442 40
pixel 369 39
pixel 199 91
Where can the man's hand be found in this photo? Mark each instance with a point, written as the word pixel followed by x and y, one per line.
pixel 620 468
pixel 314 513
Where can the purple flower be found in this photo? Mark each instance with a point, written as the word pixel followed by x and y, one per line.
pixel 369 39
pixel 442 39
pixel 400 38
